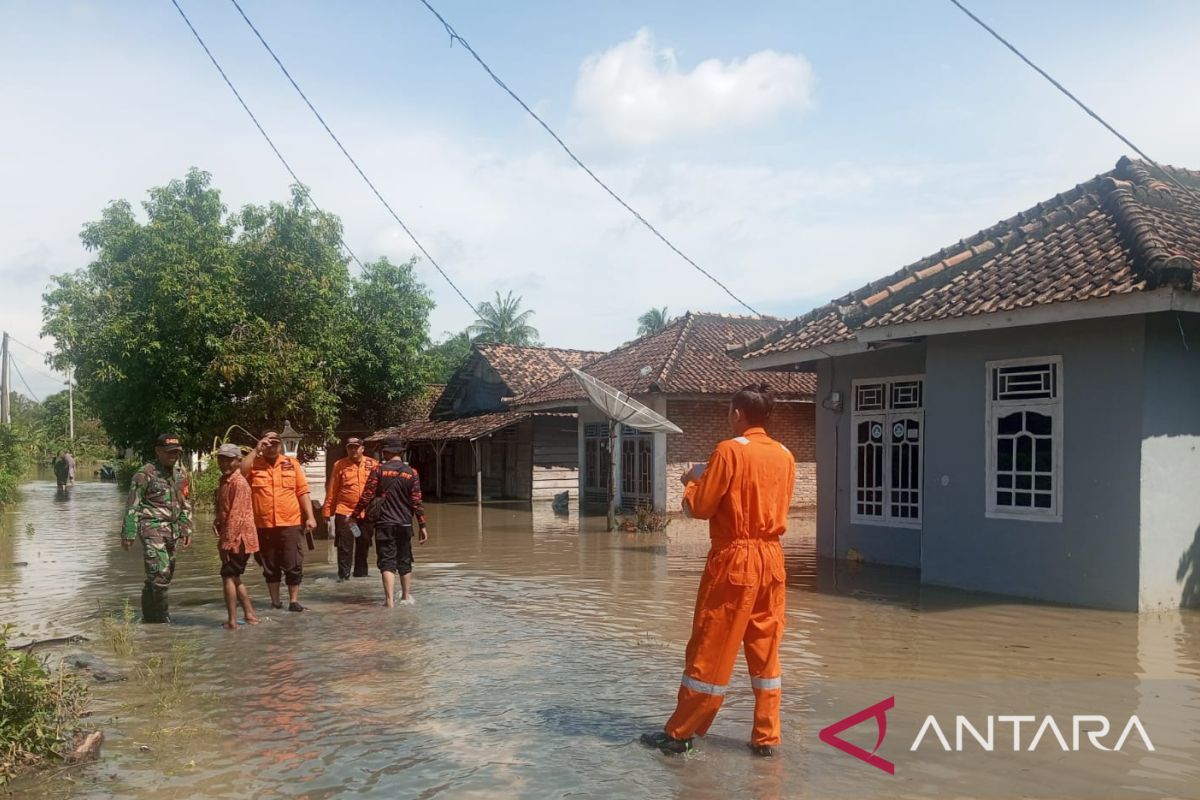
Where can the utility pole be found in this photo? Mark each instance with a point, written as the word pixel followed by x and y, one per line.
pixel 5 416
pixel 71 407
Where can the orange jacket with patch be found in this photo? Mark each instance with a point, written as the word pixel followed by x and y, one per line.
pixel 276 490
pixel 346 484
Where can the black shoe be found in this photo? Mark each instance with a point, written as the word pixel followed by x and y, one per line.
pixel 667 744
pixel 762 750
pixel 295 607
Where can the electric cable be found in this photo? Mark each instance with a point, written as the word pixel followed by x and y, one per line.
pixel 454 37
pixel 362 174
pixel 24 383
pixel 1074 99
pixel 257 124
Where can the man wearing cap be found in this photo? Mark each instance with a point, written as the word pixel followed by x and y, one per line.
pixel 160 513
pixel 400 487
pixel 237 538
pixel 279 492
pixel 345 487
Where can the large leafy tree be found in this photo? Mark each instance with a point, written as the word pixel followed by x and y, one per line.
pixel 194 319
pixel 388 366
pixel 653 321
pixel 445 357
pixel 502 321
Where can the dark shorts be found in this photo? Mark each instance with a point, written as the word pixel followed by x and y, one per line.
pixel 393 548
pixel 233 565
pixel 281 554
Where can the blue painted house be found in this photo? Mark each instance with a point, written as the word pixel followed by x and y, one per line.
pixel 1020 412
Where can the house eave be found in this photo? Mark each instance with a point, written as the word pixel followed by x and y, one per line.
pixel 773 361
pixel 1145 302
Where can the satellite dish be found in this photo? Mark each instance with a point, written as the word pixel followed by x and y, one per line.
pixel 621 407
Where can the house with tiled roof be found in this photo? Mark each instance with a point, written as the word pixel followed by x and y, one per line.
pixel 1020 412
pixel 684 372
pixel 470 443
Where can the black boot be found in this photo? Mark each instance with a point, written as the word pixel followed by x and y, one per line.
pixel 150 612
pixel 163 605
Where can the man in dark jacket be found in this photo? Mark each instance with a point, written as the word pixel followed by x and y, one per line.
pixel 399 487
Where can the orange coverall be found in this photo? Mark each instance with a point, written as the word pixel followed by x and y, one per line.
pixel 744 493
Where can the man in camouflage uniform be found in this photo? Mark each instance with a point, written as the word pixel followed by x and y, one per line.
pixel 160 512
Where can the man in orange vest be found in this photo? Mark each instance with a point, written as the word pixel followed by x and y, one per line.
pixel 279 493
pixel 744 492
pixel 346 485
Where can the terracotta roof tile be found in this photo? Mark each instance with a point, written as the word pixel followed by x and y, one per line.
pixel 526 368
pixel 687 357
pixel 1121 232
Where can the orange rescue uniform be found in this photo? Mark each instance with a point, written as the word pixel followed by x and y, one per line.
pixel 744 493
pixel 276 490
pixel 347 484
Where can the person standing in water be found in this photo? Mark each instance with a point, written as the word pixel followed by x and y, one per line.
pixel 744 491
pixel 279 492
pixel 159 511
pixel 346 484
pixel 237 538
pixel 399 488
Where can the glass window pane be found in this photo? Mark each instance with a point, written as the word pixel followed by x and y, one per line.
pixel 1042 500
pixel 1024 453
pixel 1004 498
pixel 1004 454
pixel 1045 455
pixel 1010 424
pixel 1038 424
pixel 1042 482
pixel 1022 499
pixel 1004 481
pixel 1024 481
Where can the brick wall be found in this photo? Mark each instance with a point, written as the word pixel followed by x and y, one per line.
pixel 706 422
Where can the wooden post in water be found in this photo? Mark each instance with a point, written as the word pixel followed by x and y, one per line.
pixel 478 472
pixel 438 448
pixel 612 475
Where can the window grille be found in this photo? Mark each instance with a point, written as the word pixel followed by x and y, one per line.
pixel 888 461
pixel 1025 439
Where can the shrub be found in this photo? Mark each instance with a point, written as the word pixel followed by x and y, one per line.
pixel 204 483
pixel 125 469
pixel 645 520
pixel 12 463
pixel 38 709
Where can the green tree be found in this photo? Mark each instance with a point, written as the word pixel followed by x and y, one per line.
pixel 388 366
pixel 502 321
pixel 195 319
pixel 447 356
pixel 653 321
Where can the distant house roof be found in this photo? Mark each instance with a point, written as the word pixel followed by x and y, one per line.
pixel 686 357
pixel 1125 231
pixel 516 369
pixel 453 430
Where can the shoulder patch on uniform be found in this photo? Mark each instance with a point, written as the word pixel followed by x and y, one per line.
pixel 741 440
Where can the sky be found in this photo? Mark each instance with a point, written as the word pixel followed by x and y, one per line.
pixel 796 150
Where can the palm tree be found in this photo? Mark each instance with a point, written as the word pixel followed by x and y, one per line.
pixel 653 321
pixel 503 322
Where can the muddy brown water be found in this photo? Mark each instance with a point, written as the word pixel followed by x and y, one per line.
pixel 540 647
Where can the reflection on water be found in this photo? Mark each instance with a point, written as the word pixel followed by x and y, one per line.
pixel 539 648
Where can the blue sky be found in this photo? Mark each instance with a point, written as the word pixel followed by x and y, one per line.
pixel 795 149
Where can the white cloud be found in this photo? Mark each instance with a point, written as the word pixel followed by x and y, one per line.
pixel 637 94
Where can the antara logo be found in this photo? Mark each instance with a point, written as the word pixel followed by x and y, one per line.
pixel 1095 727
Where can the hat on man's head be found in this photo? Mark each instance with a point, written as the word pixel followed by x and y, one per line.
pixel 353 440
pixel 169 441
pixel 229 450
pixel 393 444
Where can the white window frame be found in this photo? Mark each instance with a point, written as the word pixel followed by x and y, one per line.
pixel 1053 408
pixel 888 416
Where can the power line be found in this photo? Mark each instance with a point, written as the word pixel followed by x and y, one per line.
pixel 32 349
pixel 454 37
pixel 25 383
pixel 257 124
pixel 350 158
pixel 43 373
pixel 1073 98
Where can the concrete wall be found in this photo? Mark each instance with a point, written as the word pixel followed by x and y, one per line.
pixel 835 533
pixel 1169 564
pixel 1091 556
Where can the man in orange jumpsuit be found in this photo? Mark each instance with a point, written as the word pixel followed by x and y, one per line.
pixel 744 491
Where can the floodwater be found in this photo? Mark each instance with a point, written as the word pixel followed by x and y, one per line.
pixel 539 649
